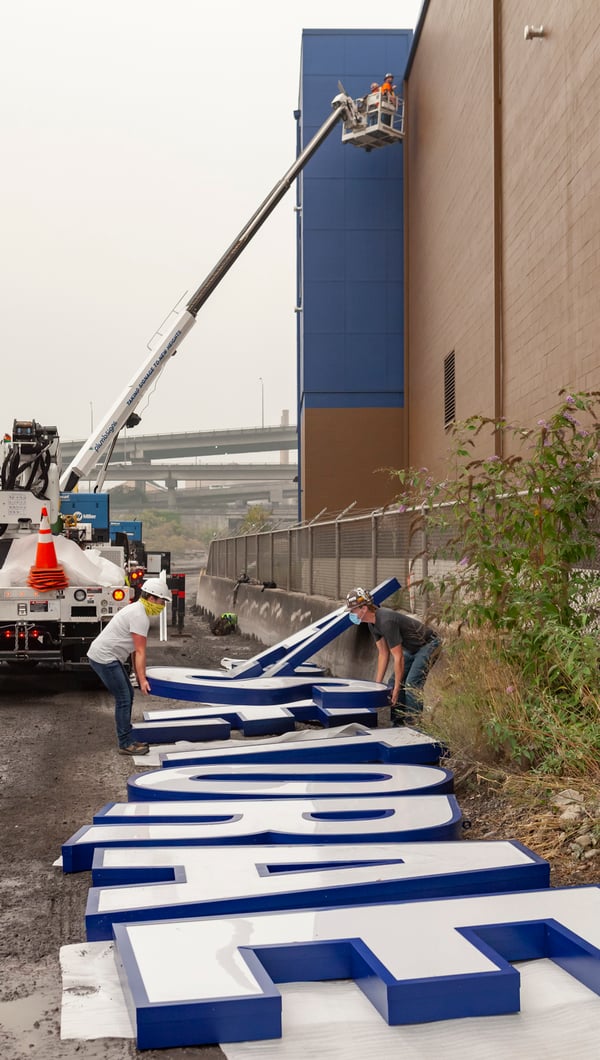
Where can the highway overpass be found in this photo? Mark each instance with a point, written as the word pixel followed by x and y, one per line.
pixel 224 500
pixel 141 471
pixel 157 460
pixel 131 446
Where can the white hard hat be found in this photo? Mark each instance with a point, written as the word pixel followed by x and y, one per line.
pixel 358 598
pixel 157 587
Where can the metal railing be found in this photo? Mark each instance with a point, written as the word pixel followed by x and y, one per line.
pixel 328 558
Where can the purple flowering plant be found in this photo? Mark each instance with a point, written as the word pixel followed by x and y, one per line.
pixel 516 535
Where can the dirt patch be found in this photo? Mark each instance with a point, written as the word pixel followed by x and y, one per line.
pixel 513 807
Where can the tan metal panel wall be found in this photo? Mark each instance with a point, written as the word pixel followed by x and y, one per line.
pixel 503 212
pixel 343 452
pixel 449 227
pixel 551 204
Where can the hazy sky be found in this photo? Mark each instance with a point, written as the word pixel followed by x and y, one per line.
pixel 138 137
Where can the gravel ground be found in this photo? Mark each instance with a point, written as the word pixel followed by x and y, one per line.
pixel 58 765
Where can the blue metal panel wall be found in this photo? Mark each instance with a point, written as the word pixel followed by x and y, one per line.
pixel 351 233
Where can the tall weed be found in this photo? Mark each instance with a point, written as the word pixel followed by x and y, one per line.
pixel 516 537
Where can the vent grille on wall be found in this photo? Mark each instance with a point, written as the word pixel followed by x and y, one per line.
pixel 449 390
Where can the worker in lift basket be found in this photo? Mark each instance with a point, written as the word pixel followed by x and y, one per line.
pixel 372 104
pixel 388 94
pixel 412 645
pixel 388 88
pixel 126 634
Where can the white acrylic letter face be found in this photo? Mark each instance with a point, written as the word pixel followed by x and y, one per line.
pixel 409 818
pixel 385 745
pixel 256 719
pixel 415 961
pixel 163 883
pixel 287 781
pixel 253 721
pixel 208 686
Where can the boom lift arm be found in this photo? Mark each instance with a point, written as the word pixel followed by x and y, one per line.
pixel 102 441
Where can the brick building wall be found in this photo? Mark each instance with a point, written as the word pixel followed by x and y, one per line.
pixel 502 212
pixel 449 222
pixel 550 205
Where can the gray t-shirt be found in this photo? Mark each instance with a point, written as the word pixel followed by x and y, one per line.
pixel 396 628
pixel 115 641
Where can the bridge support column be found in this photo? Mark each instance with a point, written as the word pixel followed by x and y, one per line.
pixel 171 493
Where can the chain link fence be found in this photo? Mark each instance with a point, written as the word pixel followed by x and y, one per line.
pixel 329 558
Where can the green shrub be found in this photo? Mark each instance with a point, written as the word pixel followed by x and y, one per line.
pixel 515 538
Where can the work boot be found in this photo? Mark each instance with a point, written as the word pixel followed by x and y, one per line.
pixel 402 716
pixel 397 717
pixel 135 749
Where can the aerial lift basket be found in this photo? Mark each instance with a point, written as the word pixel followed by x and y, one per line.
pixel 381 121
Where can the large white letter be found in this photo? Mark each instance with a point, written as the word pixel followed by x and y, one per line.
pixel 409 818
pixel 208 882
pixel 209 980
pixel 287 781
pixel 385 745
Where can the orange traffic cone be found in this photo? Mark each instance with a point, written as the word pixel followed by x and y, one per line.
pixel 46 574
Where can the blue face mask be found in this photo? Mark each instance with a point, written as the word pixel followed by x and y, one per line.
pixel 354 618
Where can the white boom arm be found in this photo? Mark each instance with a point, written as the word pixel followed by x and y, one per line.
pixel 101 442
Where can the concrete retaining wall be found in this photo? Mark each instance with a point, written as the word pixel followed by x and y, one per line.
pixel 271 615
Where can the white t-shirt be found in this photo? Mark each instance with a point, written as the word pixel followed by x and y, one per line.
pixel 115 641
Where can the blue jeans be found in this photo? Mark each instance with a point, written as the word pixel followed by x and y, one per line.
pixel 416 668
pixel 114 677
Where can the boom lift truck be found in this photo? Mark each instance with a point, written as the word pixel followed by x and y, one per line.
pixel 48 625
pixel 366 125
pixel 57 625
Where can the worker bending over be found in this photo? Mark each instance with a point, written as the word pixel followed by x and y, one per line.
pixel 126 634
pixel 412 645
